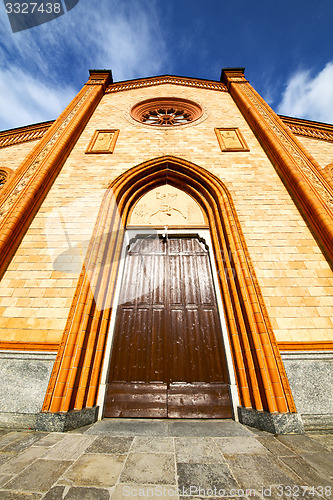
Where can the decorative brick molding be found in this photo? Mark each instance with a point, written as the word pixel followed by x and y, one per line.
pixel 308 128
pixel 24 134
pixel 306 346
pixel 29 170
pixel 25 192
pixel 28 346
pixel 158 80
pixel 301 173
pixel 301 158
pixel 328 173
pixel 261 378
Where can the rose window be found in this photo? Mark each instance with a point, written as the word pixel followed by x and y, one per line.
pixel 166 112
pixel 3 178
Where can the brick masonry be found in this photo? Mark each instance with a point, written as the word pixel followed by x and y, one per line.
pixel 11 156
pixel 295 278
pixel 322 151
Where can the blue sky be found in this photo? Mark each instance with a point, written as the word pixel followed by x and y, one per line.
pixel 286 47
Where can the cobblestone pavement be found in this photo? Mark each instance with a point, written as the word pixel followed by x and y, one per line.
pixel 124 458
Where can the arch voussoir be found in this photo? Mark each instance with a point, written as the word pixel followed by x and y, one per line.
pixel 262 382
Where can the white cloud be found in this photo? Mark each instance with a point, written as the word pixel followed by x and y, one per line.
pixel 25 100
pixel 44 67
pixel 308 96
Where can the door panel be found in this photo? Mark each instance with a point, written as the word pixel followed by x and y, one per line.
pixel 167 357
pixel 136 400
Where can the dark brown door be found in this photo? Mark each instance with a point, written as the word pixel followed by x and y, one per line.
pixel 167 357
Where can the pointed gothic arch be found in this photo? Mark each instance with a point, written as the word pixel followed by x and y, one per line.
pixel 261 378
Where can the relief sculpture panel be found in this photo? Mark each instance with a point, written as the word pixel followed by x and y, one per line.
pixel 167 206
pixel 103 141
pixel 231 139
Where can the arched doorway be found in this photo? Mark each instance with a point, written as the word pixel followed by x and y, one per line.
pixel 261 379
pixel 168 358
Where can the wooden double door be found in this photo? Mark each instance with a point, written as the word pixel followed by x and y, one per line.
pixel 167 356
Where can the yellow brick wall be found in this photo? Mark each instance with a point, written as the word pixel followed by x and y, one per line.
pixel 12 156
pixel 295 278
pixel 322 151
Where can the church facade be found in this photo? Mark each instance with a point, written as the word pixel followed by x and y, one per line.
pixel 166 250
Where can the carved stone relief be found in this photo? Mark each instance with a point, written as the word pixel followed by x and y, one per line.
pixel 167 206
pixel 103 141
pixel 231 139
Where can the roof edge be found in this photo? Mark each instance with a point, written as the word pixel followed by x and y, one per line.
pixel 24 134
pixel 157 80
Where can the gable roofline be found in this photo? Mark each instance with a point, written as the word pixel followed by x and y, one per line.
pixel 24 134
pixel 309 128
pixel 163 79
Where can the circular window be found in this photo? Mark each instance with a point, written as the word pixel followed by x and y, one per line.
pixel 166 112
pixel 3 178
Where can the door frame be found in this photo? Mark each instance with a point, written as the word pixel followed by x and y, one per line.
pixel 261 377
pixel 203 233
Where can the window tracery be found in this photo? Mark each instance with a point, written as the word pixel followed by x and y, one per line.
pixel 5 175
pixel 166 112
pixel 3 178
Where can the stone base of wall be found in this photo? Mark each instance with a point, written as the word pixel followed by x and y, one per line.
pixel 24 377
pixel 276 423
pixel 66 421
pixel 310 374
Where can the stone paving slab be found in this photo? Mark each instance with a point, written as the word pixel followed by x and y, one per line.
pixel 10 437
pixel 9 495
pixel 55 493
pixel 39 476
pixel 94 470
pixel 129 427
pixel 275 446
pixel 70 447
pixel 22 442
pixel 215 498
pixel 4 457
pixel 169 427
pixel 153 445
pixel 235 445
pixel 322 462
pixel 118 459
pixel 301 443
pixel 149 468
pixel 257 471
pixel 22 460
pixel 133 490
pixel 325 439
pixel 50 439
pixel 4 478
pixel 308 475
pixel 201 428
pixel 205 476
pixel 111 445
pixel 197 450
pixel 77 493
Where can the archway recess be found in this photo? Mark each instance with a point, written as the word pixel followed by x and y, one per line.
pixel 261 378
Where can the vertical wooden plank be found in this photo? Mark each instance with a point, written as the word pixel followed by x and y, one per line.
pixel 168 334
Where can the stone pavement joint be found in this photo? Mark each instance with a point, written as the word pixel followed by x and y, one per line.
pixel 116 459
